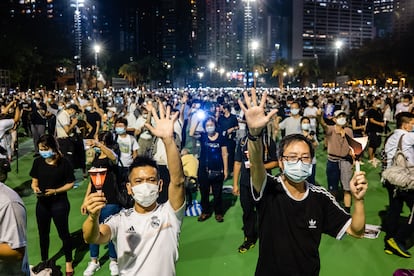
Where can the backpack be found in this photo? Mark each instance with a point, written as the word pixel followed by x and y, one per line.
pixel 399 173
pixel 123 197
pixel 153 148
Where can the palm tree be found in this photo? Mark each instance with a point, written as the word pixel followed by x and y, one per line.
pixel 258 69
pixel 130 72
pixel 308 70
pixel 278 69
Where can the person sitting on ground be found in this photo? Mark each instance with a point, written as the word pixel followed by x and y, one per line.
pixel 190 166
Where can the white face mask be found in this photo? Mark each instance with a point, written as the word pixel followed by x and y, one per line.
pixel 211 129
pixel 145 194
pixel 305 126
pixel 294 111
pixel 341 121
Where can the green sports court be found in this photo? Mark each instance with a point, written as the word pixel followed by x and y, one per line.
pixel 209 248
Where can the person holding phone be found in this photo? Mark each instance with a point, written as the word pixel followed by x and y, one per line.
pixel 52 176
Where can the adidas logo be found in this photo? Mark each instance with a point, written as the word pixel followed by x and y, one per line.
pixel 131 230
pixel 312 224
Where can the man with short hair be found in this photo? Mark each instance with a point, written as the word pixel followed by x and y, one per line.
pixel 293 214
pixel 128 148
pixel 405 105
pixel 397 234
pixel 66 122
pixel 291 124
pixel 145 236
pixel 340 162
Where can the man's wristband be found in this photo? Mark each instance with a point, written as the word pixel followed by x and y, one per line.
pixel 254 137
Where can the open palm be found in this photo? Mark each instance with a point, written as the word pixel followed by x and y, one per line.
pixel 164 124
pixel 255 115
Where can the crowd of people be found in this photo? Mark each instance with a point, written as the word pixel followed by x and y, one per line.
pixel 156 146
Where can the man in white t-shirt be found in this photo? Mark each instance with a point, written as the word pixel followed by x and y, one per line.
pixel 145 236
pixel 291 124
pixel 128 147
pixel 13 240
pixel 6 125
pixel 311 111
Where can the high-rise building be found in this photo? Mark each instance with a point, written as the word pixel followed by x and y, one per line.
pixel 393 17
pixel 316 24
pixel 222 43
pixel 383 17
pixel 403 17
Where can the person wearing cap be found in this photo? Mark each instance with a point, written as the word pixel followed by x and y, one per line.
pixel 339 163
pixel 65 125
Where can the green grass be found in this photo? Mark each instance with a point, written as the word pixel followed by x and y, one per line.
pixel 210 248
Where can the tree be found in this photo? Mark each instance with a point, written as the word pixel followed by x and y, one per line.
pixel 278 70
pixel 309 70
pixel 130 72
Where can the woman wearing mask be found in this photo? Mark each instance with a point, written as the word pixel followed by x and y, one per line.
pixel 104 158
pixel 212 168
pixel 359 123
pixel 52 176
pixel 310 135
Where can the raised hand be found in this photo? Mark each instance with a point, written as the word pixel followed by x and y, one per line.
pixel 94 203
pixel 164 124
pixel 254 112
pixel 358 185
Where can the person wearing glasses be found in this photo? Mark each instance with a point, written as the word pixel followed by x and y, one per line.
pixel 293 214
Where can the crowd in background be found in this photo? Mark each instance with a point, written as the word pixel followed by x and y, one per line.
pixel 108 129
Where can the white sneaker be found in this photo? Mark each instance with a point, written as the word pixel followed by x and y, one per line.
pixel 91 269
pixel 113 267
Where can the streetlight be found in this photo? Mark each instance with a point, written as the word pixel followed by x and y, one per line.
pixel 254 45
pixel 97 50
pixel 338 45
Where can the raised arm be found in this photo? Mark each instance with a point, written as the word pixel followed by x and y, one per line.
pixel 257 120
pixel 358 186
pixel 164 129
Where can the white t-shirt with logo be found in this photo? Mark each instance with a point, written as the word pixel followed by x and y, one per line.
pixel 127 145
pixel 147 244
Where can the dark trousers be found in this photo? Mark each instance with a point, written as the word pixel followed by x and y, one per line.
pixel 67 148
pixel 165 176
pixel 56 208
pixel 217 187
pixel 249 213
pixel 333 175
pixel 400 232
pixel 231 149
pixel 37 131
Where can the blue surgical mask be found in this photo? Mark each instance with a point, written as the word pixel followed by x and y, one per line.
pixel 46 153
pixel 120 130
pixel 97 150
pixel 297 172
pixel 88 108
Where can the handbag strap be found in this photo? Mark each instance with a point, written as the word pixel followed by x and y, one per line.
pixel 399 150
